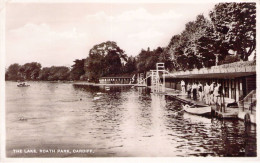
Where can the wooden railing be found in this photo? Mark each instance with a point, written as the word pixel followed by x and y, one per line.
pixel 246 66
pixel 249 99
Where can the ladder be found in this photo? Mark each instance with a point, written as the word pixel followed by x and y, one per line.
pixel 156 84
pixel 141 79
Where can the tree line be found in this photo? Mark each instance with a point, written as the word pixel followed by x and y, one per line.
pixel 34 71
pixel 228 35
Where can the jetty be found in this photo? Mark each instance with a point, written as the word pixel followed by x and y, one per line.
pixel 228 113
pixel 100 84
pixel 246 114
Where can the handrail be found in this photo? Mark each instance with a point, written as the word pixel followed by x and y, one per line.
pixel 252 103
pixel 144 79
pixel 249 95
pixel 132 79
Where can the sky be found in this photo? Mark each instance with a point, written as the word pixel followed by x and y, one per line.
pixel 58 33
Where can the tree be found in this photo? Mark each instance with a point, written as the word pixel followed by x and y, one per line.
pixel 77 69
pixel 12 72
pixel 30 71
pixel 146 60
pixel 236 24
pixel 55 73
pixel 198 50
pixel 45 73
pixel 59 73
pixel 184 48
pixel 165 57
pixel 130 65
pixel 113 63
pixel 153 58
pixel 210 45
pixel 104 59
pixel 175 51
pixel 141 61
pixel 196 46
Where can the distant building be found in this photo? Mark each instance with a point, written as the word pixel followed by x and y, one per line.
pixel 115 80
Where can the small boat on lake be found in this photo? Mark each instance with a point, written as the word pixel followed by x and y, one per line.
pixel 23 84
pixel 197 109
pixel 100 93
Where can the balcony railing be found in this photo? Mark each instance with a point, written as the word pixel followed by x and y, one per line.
pixel 246 66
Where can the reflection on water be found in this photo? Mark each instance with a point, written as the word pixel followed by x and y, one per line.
pixel 123 121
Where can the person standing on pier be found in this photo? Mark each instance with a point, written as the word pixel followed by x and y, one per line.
pixel 183 86
pixel 200 91
pixel 211 90
pixel 206 93
pixel 220 93
pixel 189 90
pixel 215 93
pixel 194 91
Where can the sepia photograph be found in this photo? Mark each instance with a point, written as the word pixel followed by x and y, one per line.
pixel 117 79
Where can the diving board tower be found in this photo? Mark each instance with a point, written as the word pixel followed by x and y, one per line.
pixel 157 84
pixel 141 81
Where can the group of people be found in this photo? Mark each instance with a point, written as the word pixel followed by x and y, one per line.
pixel 210 93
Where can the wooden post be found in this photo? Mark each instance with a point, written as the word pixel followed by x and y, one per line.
pixel 224 104
pixel 230 88
pixel 164 81
pixel 251 106
pixel 243 105
pixel 237 89
pixel 220 106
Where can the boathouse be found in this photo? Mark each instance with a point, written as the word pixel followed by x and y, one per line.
pixel 115 80
pixel 237 79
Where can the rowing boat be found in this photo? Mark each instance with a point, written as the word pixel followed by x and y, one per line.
pixel 197 109
pixel 23 85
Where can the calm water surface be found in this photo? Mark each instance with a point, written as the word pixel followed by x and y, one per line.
pixel 123 121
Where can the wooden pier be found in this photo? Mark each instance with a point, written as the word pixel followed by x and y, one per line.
pixel 182 97
pixel 228 113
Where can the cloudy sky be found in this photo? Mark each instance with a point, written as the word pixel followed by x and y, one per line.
pixel 58 33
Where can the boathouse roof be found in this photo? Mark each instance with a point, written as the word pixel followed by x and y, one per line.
pixel 232 70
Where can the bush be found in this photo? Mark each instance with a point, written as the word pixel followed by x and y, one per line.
pixel 230 59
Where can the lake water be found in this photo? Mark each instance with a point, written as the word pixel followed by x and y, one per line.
pixel 123 121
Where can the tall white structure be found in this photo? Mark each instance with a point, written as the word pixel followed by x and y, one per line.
pixel 157 84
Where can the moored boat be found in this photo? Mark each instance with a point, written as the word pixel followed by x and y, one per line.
pixel 197 109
